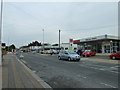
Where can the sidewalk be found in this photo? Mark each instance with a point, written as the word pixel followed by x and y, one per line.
pixel 17 75
pixel 99 57
pixel 103 54
pixel 0 77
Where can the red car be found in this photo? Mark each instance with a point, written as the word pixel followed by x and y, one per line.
pixel 115 55
pixel 88 52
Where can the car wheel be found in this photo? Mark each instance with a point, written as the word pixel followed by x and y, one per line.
pixel 113 57
pixel 59 58
pixel 69 59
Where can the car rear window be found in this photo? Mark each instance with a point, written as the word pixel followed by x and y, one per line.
pixel 87 50
pixel 118 52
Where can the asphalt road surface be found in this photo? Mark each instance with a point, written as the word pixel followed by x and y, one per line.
pixel 71 74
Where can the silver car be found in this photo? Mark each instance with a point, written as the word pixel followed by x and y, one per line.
pixel 69 55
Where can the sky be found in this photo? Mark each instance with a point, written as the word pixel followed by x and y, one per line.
pixel 23 22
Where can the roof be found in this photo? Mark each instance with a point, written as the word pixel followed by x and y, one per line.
pixel 100 38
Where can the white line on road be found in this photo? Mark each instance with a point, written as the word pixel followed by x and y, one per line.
pixel 102 69
pixel 98 65
pixel 115 67
pixel 108 85
pixel 81 76
pixel 114 72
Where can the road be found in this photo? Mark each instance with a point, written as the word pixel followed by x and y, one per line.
pixel 70 74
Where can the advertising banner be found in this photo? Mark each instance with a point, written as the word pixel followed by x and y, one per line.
pixel 71 44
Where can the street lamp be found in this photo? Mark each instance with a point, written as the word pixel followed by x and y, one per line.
pixel 111 48
pixel 43 39
pixel 59 40
pixel 0 32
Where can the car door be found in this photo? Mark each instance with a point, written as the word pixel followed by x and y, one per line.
pixel 66 55
pixel 62 54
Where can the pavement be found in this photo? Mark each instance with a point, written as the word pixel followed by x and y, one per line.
pixel 101 58
pixel 0 77
pixel 18 75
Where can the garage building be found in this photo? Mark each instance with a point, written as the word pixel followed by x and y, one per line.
pixel 101 44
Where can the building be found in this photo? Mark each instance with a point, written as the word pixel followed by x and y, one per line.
pixel 101 44
pixel 68 46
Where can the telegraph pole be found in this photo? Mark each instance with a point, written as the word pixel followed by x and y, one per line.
pixel 59 39
pixel 1 33
pixel 43 39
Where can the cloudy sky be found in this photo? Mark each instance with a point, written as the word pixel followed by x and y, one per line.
pixel 23 21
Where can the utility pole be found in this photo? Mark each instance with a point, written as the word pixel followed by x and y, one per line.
pixel 1 33
pixel 59 39
pixel 43 39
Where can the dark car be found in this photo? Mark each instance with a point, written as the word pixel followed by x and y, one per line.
pixel 115 55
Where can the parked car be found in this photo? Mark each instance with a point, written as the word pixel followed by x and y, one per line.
pixel 48 52
pixel 115 55
pixel 21 56
pixel 33 52
pixel 17 52
pixel 42 51
pixel 69 55
pixel 88 52
pixel 54 51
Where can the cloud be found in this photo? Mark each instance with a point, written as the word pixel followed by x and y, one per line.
pixel 25 21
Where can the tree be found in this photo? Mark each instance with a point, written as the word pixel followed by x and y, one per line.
pixel 10 48
pixel 36 43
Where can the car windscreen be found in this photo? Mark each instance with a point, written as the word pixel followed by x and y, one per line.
pixel 118 52
pixel 71 52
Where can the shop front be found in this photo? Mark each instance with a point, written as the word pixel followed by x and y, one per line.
pixel 101 44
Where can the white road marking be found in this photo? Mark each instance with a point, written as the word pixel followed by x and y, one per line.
pixel 108 85
pixel 115 67
pixel 81 76
pixel 34 71
pixel 102 69
pixel 98 65
pixel 114 72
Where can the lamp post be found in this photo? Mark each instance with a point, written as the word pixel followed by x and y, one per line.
pixel 59 40
pixel 111 46
pixel 0 32
pixel 43 39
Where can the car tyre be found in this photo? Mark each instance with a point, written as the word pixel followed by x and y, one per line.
pixel 113 57
pixel 69 59
pixel 59 58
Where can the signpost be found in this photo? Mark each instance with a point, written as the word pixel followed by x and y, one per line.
pixel 1 33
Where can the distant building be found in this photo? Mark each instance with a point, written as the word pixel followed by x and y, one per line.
pixel 102 44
